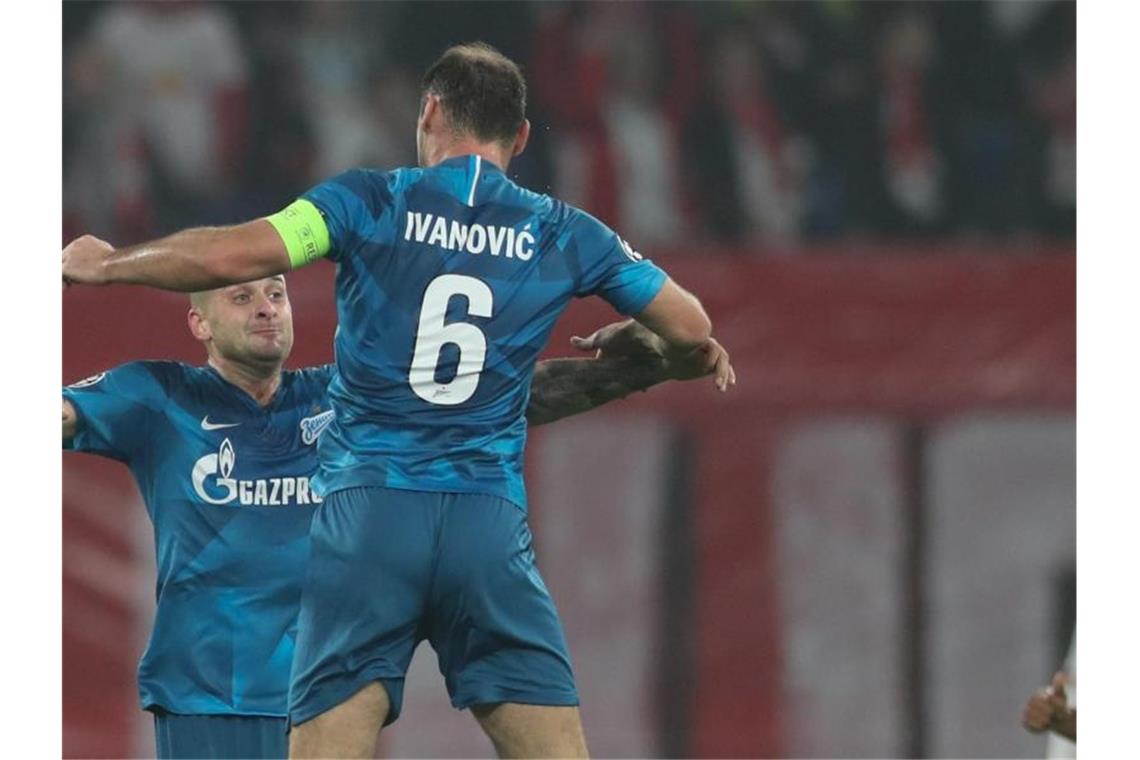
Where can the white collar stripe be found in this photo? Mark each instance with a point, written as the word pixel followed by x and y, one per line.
pixel 475 181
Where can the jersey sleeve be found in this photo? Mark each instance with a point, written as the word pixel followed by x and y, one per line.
pixel 349 204
pixel 610 268
pixel 115 410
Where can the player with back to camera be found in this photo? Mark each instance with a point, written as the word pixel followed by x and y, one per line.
pixel 223 454
pixel 449 280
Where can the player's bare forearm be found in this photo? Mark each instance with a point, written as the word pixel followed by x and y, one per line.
pixel 678 317
pixel 202 259
pixel 192 260
pixel 565 387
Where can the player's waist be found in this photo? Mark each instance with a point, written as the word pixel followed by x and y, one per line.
pixel 443 477
pixel 494 407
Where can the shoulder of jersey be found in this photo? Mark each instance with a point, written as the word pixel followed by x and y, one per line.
pixel 318 376
pixel 167 369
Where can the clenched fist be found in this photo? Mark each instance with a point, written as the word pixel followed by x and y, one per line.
pixel 1048 710
pixel 83 260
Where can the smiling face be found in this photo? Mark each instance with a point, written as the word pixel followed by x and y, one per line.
pixel 249 324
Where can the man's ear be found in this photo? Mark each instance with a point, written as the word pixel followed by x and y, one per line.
pixel 430 113
pixel 521 138
pixel 199 325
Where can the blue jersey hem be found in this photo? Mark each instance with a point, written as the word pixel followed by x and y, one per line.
pixel 344 484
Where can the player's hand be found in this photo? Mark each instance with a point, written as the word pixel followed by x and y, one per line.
pixel 83 260
pixel 622 339
pixel 633 340
pixel 709 359
pixel 1048 707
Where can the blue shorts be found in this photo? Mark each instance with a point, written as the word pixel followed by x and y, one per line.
pixel 389 568
pixel 219 736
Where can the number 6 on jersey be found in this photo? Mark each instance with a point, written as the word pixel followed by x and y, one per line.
pixel 432 335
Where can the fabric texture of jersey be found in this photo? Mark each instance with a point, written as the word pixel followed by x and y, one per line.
pixel 456 569
pixel 226 485
pixel 449 281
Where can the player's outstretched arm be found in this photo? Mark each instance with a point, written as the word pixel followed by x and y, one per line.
pixel 197 259
pixel 70 421
pixel 629 358
pixel 678 317
pixel 565 387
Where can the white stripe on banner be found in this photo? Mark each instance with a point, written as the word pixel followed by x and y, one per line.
pixel 836 499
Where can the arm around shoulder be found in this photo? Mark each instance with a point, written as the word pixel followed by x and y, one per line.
pixel 192 260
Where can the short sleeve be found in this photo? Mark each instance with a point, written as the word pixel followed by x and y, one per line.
pixel 611 268
pixel 350 203
pixel 116 410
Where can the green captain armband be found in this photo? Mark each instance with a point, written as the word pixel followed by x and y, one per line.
pixel 303 229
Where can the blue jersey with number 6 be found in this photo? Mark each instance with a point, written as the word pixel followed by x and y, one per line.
pixel 449 281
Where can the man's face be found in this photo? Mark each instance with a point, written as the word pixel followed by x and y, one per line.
pixel 250 323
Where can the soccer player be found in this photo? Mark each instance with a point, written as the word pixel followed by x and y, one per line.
pixel 449 280
pixel 223 454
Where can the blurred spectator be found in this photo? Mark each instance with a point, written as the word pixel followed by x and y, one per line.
pixel 571 46
pixel 842 118
pixel 746 173
pixel 741 122
pixel 912 165
pixel 336 65
pixel 642 141
pixel 1056 100
pixel 163 86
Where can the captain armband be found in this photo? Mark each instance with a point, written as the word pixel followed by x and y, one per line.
pixel 303 230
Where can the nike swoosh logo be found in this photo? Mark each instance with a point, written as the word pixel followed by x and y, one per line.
pixel 207 425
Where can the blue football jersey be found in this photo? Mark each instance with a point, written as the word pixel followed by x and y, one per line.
pixel 226 485
pixel 449 281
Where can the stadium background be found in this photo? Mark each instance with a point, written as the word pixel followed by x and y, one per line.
pixel 867 549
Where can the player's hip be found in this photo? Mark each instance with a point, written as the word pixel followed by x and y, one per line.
pixel 381 517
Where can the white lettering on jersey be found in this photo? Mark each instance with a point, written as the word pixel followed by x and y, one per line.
pixel 213 484
pixel 312 427
pixel 438 232
pixel 500 241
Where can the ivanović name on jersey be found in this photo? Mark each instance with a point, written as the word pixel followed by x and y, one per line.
pixel 451 235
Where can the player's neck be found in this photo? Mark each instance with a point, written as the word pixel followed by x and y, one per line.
pixel 259 381
pixel 465 147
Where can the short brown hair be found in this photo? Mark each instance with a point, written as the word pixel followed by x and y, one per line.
pixel 482 91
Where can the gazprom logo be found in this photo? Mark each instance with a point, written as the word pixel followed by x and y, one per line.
pixel 220 465
pixel 312 427
pixel 226 458
pixel 213 481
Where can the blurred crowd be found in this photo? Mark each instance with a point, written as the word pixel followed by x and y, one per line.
pixel 744 123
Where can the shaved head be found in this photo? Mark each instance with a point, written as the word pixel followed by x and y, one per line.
pixel 199 299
